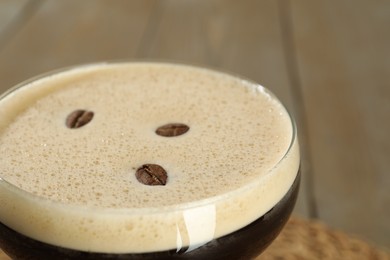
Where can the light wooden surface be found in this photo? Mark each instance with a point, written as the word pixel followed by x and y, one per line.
pixel 328 61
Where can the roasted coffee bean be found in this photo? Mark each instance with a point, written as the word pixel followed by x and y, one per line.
pixel 173 129
pixel 79 118
pixel 151 174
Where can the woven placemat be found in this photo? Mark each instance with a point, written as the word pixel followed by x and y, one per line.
pixel 310 239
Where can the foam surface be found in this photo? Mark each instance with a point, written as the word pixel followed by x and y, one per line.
pixel 238 134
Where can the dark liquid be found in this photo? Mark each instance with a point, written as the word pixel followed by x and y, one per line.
pixel 245 243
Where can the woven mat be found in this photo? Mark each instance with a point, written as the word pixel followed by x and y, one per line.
pixel 308 239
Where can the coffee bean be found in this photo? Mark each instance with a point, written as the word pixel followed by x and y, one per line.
pixel 151 174
pixel 78 118
pixel 174 129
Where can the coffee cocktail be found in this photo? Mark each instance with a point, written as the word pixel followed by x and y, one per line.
pixel 143 161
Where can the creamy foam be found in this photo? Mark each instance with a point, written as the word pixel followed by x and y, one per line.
pixel 236 161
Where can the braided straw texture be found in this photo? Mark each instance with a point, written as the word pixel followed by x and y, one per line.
pixel 308 239
pixel 312 239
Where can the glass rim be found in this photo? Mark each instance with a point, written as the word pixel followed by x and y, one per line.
pixel 149 210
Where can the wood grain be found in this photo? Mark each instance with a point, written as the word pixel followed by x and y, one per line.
pixel 344 65
pixel 11 13
pixel 64 33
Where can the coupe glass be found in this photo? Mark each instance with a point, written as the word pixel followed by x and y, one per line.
pixel 195 229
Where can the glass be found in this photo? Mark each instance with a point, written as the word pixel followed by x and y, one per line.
pixel 193 227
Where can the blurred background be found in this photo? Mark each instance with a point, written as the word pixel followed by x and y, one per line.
pixel 328 61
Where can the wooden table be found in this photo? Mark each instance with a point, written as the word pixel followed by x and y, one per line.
pixel 328 61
